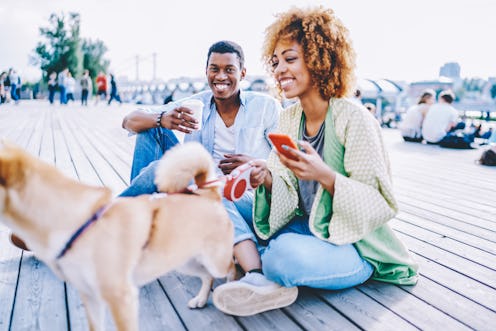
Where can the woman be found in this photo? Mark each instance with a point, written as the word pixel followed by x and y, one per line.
pixel 322 216
pixel 411 126
pixel 52 86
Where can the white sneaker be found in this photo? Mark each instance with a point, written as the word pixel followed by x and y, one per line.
pixel 251 295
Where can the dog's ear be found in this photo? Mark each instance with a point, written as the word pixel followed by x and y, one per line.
pixel 11 165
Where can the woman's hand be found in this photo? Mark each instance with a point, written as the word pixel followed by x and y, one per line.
pixel 309 166
pixel 260 174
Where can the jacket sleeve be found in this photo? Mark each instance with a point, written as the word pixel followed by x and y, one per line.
pixel 364 199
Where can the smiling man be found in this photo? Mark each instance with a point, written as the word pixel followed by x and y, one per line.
pixel 234 129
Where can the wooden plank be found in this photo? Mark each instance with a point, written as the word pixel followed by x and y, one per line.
pixel 105 172
pixel 40 303
pixel 471 202
pixel 10 258
pixel 455 305
pixel 365 312
pixel 447 244
pixel 457 282
pixel 418 312
pixel 180 289
pixel 474 230
pixel 455 234
pixel 312 313
pixel 156 310
pixel 450 260
pixel 452 214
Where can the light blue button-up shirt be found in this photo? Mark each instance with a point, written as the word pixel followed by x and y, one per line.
pixel 258 115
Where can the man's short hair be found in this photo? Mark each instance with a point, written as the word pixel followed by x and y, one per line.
pixel 447 96
pixel 226 46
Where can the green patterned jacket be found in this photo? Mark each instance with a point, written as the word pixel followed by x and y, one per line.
pixel 363 200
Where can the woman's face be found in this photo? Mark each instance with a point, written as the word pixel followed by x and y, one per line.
pixel 430 100
pixel 290 70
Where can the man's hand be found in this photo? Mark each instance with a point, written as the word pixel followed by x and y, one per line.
pixel 232 161
pixel 180 119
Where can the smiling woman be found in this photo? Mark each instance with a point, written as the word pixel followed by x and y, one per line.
pixel 321 212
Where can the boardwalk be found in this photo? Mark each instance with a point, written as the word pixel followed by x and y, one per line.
pixel 447 219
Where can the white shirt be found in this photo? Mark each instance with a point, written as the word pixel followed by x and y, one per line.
pixel 411 125
pixel 224 140
pixel 436 121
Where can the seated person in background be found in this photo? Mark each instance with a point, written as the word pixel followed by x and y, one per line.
pixel 492 138
pixel 370 107
pixel 441 119
pixel 411 125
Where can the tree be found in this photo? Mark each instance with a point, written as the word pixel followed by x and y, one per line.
pixel 93 52
pixel 63 47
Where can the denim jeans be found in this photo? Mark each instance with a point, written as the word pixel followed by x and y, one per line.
pixel 295 257
pixel 149 148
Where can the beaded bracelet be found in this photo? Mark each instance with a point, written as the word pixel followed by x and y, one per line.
pixel 159 119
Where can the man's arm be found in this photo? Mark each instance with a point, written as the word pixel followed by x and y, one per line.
pixel 179 118
pixel 139 121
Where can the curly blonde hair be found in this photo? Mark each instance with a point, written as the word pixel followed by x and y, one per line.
pixel 327 48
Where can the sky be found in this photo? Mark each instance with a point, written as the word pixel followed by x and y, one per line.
pixel 405 40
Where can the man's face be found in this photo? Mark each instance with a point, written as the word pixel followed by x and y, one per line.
pixel 224 74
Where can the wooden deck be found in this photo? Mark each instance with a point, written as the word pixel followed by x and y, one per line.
pixel 447 219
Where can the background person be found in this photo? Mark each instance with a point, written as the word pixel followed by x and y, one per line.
pixel 70 87
pixel 52 86
pixel 441 118
pixel 114 94
pixel 101 87
pixel 62 81
pixel 411 125
pixel 86 87
pixel 321 218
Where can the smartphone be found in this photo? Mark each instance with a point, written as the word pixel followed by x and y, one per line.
pixel 279 139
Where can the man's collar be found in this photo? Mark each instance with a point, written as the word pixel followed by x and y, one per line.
pixel 242 99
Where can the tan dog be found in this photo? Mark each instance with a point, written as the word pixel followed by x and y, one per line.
pixel 134 241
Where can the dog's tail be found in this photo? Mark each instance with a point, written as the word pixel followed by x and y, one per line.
pixel 183 163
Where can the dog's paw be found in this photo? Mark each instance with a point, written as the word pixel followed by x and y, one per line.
pixel 197 302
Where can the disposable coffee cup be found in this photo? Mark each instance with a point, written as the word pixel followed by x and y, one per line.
pixel 197 107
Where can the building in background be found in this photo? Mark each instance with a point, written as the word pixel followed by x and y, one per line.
pixel 450 70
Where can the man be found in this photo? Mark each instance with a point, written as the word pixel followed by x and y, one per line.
pixel 235 127
pixel 441 119
pixel 101 87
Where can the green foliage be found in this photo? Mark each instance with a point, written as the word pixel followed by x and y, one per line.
pixel 62 47
pixel 93 52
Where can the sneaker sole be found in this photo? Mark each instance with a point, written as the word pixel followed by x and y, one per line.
pixel 243 299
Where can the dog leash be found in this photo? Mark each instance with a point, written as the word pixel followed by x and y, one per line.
pixel 235 184
pixel 81 229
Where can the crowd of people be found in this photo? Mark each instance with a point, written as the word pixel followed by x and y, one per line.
pixel 10 86
pixel 63 83
pixel 439 123
pixel 66 85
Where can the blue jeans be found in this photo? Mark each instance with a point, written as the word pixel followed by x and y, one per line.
pixel 295 257
pixel 149 148
pixel 63 95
